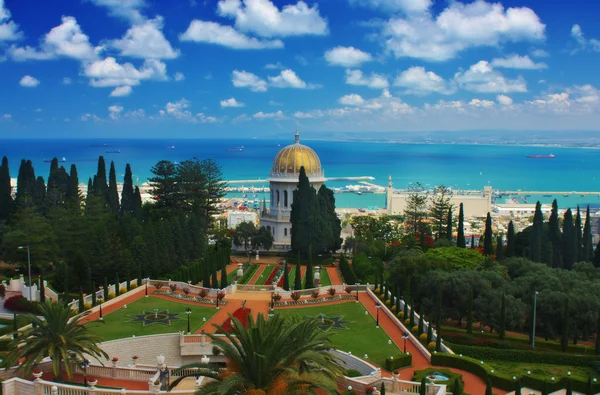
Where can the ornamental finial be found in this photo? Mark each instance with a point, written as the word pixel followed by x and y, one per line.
pixel 297 137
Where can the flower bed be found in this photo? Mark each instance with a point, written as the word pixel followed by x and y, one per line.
pixel 314 301
pixel 241 314
pixel 272 276
pixel 189 298
pixel 280 282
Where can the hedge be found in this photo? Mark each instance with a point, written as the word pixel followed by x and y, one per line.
pixel 248 274
pixel 398 362
pixel 503 381
pixel 352 373
pixel 450 383
pixel 4 344
pixel 525 356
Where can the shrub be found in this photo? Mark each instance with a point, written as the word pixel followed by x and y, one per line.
pixel 454 382
pixel 431 346
pixel 352 373
pixel 111 295
pixel 248 273
pixel 122 290
pixel 203 293
pixel 331 291
pixel 173 287
pixel 220 295
pixel 295 296
pixel 158 285
pixel 399 361
pixel 19 303
pixel 394 308
pixel 388 302
pixel 382 297
pixel 314 294
pixel 400 314
pixel 407 321
pixel 186 291
pixel 216 350
pixel 423 337
pixel 133 286
pixel 415 329
pixel 277 297
pixel 348 290
pixel 87 306
pixel 377 290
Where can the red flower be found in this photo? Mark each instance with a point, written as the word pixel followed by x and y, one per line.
pixel 115 359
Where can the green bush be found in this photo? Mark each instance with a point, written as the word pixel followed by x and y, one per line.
pixel 352 373
pixel 454 379
pixel 248 274
pixel 4 344
pixel 399 361
pixel 431 346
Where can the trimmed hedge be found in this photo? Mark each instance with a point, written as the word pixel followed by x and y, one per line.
pixel 248 274
pixel 352 373
pixel 453 378
pixel 399 361
pixel 503 381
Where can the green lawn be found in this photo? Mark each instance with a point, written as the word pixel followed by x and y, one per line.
pixel 292 276
pixel 264 276
pixel 231 276
pixel 117 324
pixel 542 371
pixel 361 337
pixel 325 280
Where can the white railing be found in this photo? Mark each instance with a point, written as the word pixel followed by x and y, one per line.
pixel 339 290
pixel 392 385
pixel 121 373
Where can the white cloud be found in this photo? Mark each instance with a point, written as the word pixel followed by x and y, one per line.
pixel 89 117
pixel 539 53
pixel 38 110
pixel 482 103
pixel 127 9
pixel 231 102
pixel 9 30
pixel 406 6
pixel 375 81
pixel 288 79
pixel 418 81
pixel 179 110
pixel 310 114
pixel 504 100
pixel 274 103
pixel 269 115
pixel 459 27
pixel 203 118
pixel 108 72
pixel 241 118
pixel 263 18
pixel 593 44
pixel 29 82
pixel 347 57
pixel 274 66
pixel 65 40
pixel 518 62
pixel 227 36
pixel 179 76
pixel 67 81
pixel 352 100
pixel 7 116
pixel 120 91
pixel 244 79
pixel 481 77
pixel 145 40
pixel 114 111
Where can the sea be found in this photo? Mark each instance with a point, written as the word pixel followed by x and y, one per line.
pixel 457 166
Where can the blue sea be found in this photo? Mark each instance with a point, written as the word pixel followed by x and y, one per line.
pixel 457 166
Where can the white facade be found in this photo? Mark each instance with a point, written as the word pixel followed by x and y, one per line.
pixel 234 218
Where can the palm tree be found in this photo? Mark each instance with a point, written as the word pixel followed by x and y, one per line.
pixel 57 334
pixel 281 355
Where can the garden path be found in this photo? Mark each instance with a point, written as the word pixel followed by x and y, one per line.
pixel 230 268
pixel 257 274
pixel 334 276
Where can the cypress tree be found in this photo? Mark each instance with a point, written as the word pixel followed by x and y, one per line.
pixel 569 241
pixel 128 281
pixel 298 277
pixel 25 181
pixel 578 237
pixel 105 289
pixel 42 290
pixel 502 329
pixel 15 327
pixel 407 296
pixel 302 214
pixel 224 276
pixel 137 200
pixel 499 248
pixel 555 235
pixel 536 235
pixel 449 225
pixel 488 387
pixel 438 319
pixel 487 237
pixel 73 194
pixel 421 320
pixel 545 389
pixel 382 391
pixel 470 312
pixel 412 311
pixel 100 186
pixel 127 195
pixel 6 199
pixel 308 278
pixel 460 240
pixel 286 276
pixel 215 282
pixel 90 193
pixel 93 294
pixel 518 386
pixel 429 331
pixel 510 241
pixel 569 387
pixel 81 304
pixel 472 242
pixel 597 345
pixel 564 336
pixel 588 246
pixel 112 195
pixel 588 388
pixel 140 277
pixel 118 286
pixel 39 196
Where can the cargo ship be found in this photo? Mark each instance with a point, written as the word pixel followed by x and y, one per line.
pixel 551 156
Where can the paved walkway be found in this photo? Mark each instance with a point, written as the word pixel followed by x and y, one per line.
pixel 257 274
pixel 334 276
pixel 230 268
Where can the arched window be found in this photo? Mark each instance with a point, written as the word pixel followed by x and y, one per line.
pixel 285 198
pixel 277 197
pixel 285 231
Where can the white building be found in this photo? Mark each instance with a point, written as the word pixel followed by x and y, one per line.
pixel 234 218
pixel 283 179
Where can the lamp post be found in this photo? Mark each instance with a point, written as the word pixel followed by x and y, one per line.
pixel 28 268
pixel 217 300
pixel 188 311
pixel 377 306
pixel 100 300
pixel 405 336
pixel 357 284
pixel 84 365
pixel 533 322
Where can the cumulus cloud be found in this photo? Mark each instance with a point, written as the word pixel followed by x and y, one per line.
pixel 114 111
pixel 67 81
pixel 518 62
pixel 179 76
pixel 347 57
pixel 89 117
pixel 481 77
pixel 109 72
pixel 459 27
pixel 352 100
pixel 7 116
pixel 263 18
pixel 482 103
pixel 120 91
pixel 126 9
pixel 179 110
pixel 288 79
pixel 227 36
pixel 406 6
pixel 504 100
pixel 375 81
pixel 9 30
pixel 145 40
pixel 539 53
pixel 65 40
pixel 274 66
pixel 591 44
pixel 244 79
pixel 418 81
pixel 29 82
pixel 269 115
pixel 203 118
pixel 231 102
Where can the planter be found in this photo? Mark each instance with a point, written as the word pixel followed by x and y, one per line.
pixel 38 375
pixel 92 382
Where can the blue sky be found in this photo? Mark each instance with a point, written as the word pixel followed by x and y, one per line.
pixel 194 68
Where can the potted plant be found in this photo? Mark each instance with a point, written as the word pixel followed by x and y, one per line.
pixel 348 290
pixel 92 382
pixel 331 291
pixel 369 389
pixel 203 293
pixel 37 373
pixel 186 291
pixel 276 297
pixel 220 295
pixel 315 294
pixel 173 287
pixel 295 296
pixel 114 361
pixel 135 358
pixel 158 285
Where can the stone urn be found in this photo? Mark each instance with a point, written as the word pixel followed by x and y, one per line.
pixel 38 374
pixel 92 382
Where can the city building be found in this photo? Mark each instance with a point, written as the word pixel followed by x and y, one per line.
pixel 234 218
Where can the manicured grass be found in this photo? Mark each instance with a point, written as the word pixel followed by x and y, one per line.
pixel 292 276
pixel 117 324
pixel 325 280
pixel 231 276
pixel 264 276
pixel 360 338
pixel 542 371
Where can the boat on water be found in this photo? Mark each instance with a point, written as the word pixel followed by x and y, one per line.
pixel 113 151
pixel 171 147
pixel 551 156
pixel 63 159
pixel 236 149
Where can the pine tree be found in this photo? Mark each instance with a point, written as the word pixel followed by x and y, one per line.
pixel 502 329
pixel 460 240
pixel 565 330
pixel 578 237
pixel 555 235
pixel 470 312
pixel 510 241
pixel 286 276
pixel 127 195
pixel 487 237
pixel 6 200
pixel 42 290
pixel 536 235
pixel 112 195
pixel 499 248
pixel 298 277
pixel 569 241
pixel 588 246
pixel 100 186
pixel 440 205
pixel 449 225
pixel 308 277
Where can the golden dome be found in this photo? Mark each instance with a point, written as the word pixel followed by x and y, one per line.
pixel 291 158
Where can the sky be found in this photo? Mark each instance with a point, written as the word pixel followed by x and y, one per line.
pixel 255 68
